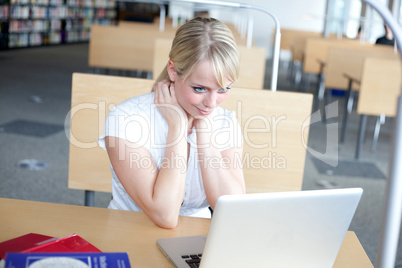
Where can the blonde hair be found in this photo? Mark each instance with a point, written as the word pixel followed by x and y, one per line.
pixel 200 39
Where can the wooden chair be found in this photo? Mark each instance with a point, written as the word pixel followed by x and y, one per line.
pixel 302 54
pixel 153 26
pixel 169 27
pixel 124 48
pixel 252 63
pixel 316 51
pixel 343 71
pixel 92 98
pixel 378 95
pixel 128 46
pixel 295 40
pixel 161 56
pixel 274 126
pixel 252 67
pixel 315 58
pixel 341 60
pixel 288 37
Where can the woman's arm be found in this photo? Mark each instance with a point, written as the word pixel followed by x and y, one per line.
pixel 221 171
pixel 159 193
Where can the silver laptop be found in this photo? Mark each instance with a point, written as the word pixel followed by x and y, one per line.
pixel 286 229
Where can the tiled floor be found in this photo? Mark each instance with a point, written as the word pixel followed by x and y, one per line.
pixel 31 128
pixel 35 92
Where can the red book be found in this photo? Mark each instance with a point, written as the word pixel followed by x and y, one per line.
pixel 46 244
pixel 23 243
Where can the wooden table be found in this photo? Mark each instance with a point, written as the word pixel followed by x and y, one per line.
pixel 123 231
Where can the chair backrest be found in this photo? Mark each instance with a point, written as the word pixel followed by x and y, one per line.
pixel 92 98
pixel 128 46
pixel 161 55
pixel 124 47
pixel 252 63
pixel 168 26
pixel 274 126
pixel 380 87
pixel 295 40
pixel 288 36
pixel 298 45
pixel 155 27
pixel 252 67
pixel 349 60
pixel 240 38
pixel 316 50
pixel 275 130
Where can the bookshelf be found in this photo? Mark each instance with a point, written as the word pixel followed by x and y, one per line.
pixel 29 23
pixel 139 12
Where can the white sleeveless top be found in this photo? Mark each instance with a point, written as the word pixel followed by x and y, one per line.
pixel 138 120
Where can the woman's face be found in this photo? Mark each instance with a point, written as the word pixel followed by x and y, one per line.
pixel 200 93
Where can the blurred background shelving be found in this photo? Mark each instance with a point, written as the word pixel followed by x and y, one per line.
pixel 29 23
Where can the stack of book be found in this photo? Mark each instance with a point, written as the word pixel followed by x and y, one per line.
pixel 37 250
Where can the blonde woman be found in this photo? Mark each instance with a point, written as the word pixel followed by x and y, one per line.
pixel 174 151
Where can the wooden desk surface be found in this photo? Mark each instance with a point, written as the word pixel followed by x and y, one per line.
pixel 122 231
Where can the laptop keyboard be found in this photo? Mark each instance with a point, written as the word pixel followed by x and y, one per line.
pixel 193 260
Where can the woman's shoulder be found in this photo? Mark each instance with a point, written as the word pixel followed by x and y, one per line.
pixel 145 99
pixel 136 104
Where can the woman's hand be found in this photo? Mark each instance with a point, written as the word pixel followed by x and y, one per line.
pixel 221 170
pixel 166 102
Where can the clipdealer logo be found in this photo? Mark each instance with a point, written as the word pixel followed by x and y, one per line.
pixel 269 126
pixel 330 156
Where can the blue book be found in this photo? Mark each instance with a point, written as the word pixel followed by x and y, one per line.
pixel 64 260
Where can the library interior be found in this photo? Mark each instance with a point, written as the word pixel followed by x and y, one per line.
pixel 316 98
